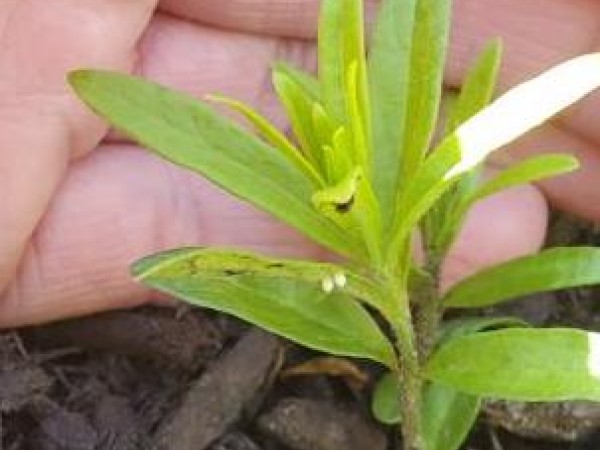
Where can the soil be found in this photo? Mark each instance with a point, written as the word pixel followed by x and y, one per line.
pixel 155 379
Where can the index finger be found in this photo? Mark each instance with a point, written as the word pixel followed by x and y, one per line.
pixel 537 34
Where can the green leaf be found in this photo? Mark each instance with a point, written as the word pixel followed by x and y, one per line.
pixel 423 190
pixel 406 80
pixel 307 82
pixel 428 55
pixel 444 221
pixel 532 169
pixel 513 114
pixel 356 119
pixel 521 364
pixel 527 171
pixel 524 108
pixel 298 105
pixel 331 57
pixel 358 109
pixel 190 134
pixel 557 268
pixel 385 404
pixel 310 303
pixel 389 77
pixel 341 43
pixel 272 135
pixel 448 416
pixel 479 86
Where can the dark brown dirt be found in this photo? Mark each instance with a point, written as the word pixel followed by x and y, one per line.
pixel 152 380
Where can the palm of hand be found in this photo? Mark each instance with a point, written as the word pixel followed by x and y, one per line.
pixel 78 205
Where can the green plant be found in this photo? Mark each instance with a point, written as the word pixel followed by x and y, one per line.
pixel 362 176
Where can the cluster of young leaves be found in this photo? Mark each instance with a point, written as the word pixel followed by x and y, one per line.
pixel 360 176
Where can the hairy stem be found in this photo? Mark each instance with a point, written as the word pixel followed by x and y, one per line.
pixel 411 381
pixel 429 309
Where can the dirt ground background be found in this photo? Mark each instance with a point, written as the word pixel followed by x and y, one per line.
pixel 193 380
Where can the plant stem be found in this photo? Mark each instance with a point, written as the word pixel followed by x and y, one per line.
pixel 411 382
pixel 429 310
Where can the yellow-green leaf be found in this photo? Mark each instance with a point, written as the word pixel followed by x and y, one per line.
pixel 522 364
pixel 272 135
pixel 313 304
pixel 190 134
pixel 556 268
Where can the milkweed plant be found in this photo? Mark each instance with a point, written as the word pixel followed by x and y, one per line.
pixel 362 175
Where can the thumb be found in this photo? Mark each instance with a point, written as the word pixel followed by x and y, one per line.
pixel 42 126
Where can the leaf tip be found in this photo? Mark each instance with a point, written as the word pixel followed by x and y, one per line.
pixel 140 268
pixel 77 78
pixel 573 162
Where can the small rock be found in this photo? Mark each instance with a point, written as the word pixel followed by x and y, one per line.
pixel 565 421
pixel 19 387
pixel 117 425
pixel 235 441
pixel 67 430
pixel 303 424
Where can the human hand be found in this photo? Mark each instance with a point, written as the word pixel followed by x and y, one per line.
pixel 77 205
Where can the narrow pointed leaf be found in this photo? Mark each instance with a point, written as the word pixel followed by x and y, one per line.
pixel 190 134
pixel 389 76
pixel 521 364
pixel 443 222
pixel 525 107
pixel 355 114
pixel 513 114
pixel 557 268
pixel 310 303
pixel 272 135
pixel 479 86
pixel 323 125
pixel 298 106
pixel 331 57
pixel 428 54
pixel 358 110
pixel 307 82
pixel 530 170
pixel 542 98
pixel 341 162
pixel 424 189
pixel 341 44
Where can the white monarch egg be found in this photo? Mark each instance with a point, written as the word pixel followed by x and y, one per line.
pixel 327 284
pixel 340 279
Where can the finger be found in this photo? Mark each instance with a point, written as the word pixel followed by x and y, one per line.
pixel 578 191
pixel 41 123
pixel 537 34
pixel 282 18
pixel 177 53
pixel 499 228
pixel 77 262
